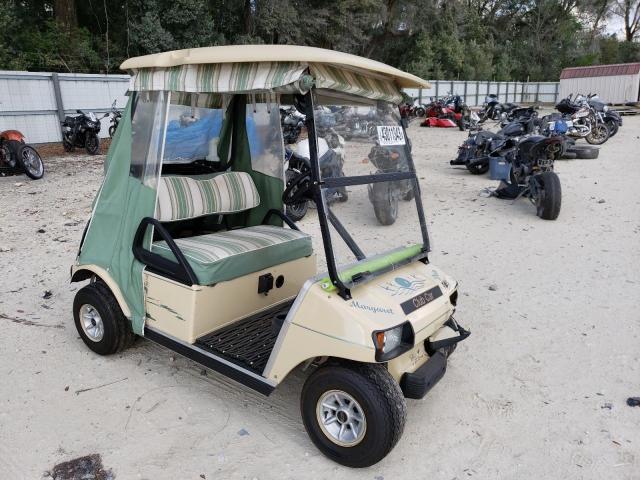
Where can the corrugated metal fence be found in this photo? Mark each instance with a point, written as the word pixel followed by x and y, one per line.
pixel 34 103
pixel 473 92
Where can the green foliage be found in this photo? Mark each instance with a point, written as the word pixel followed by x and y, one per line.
pixel 452 39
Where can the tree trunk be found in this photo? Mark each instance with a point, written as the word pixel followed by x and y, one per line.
pixel 65 13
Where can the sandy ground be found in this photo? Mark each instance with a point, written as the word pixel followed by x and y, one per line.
pixel 538 391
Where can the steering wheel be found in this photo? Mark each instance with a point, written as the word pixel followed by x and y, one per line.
pixel 298 189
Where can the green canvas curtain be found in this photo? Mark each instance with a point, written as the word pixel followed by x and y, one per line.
pixel 122 202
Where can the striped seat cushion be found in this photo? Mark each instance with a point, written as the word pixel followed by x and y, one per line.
pixel 180 198
pixel 221 256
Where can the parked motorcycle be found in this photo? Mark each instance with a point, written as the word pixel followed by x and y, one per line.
pixel 116 116
pixel 475 152
pixel 298 172
pixel 611 117
pixel 384 196
pixel 17 156
pixel 582 120
pixel 492 109
pixel 82 131
pixel 525 168
pixel 292 123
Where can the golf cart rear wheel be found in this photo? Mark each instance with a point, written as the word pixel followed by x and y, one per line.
pixel 549 197
pixel 99 320
pixel 354 413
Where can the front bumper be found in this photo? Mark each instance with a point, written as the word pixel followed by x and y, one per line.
pixel 418 383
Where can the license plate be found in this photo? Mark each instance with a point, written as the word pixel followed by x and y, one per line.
pixel 420 300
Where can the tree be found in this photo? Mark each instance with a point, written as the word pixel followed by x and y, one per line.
pixel 629 11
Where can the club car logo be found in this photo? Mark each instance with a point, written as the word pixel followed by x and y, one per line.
pixel 404 285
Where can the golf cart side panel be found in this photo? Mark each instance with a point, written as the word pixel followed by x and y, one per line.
pixel 325 325
pixel 81 272
pixel 189 312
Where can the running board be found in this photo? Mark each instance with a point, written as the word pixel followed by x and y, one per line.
pixel 214 362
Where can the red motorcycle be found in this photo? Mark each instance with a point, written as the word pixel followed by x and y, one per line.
pixel 16 156
pixel 446 113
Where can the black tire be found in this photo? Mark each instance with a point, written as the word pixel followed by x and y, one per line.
pixel 92 143
pixel 585 152
pixel 382 403
pixel 385 203
pixel 30 161
pixel 478 168
pixel 112 131
pixel 569 156
pixel 613 126
pixel 117 334
pixel 599 134
pixel 420 112
pixel 550 197
pixel 298 211
pixel 66 144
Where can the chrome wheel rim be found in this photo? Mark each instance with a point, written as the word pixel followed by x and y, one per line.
pixel 341 418
pixel 91 323
pixel 32 161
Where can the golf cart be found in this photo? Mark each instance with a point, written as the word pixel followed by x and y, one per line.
pixel 188 245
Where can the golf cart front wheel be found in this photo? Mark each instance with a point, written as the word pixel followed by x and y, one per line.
pixel 549 195
pixel 99 320
pixel 353 413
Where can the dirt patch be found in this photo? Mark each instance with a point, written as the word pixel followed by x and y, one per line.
pixel 88 467
pixel 47 150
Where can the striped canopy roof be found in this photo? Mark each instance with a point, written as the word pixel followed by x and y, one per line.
pixel 331 71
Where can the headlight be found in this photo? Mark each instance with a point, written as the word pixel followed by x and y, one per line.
pixel 393 342
pixel 605 108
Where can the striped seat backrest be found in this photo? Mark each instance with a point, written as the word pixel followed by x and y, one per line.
pixel 181 198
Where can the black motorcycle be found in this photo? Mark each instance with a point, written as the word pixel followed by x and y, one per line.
pixel 384 196
pixel 475 152
pixel 492 109
pixel 530 174
pixel 298 173
pixel 116 116
pixel 82 131
pixel 611 117
pixel 292 123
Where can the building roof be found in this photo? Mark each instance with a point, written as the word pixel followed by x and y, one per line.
pixel 273 53
pixel 601 70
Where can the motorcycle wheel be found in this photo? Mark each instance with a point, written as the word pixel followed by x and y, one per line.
pixel 599 134
pixel 30 162
pixel 385 204
pixel 92 143
pixel 112 130
pixel 298 211
pixel 613 126
pixel 549 196
pixel 420 112
pixel 478 169
pixel 66 144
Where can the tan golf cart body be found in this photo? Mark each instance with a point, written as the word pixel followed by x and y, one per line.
pixel 321 319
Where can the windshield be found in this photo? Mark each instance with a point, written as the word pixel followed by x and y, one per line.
pixel 369 187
